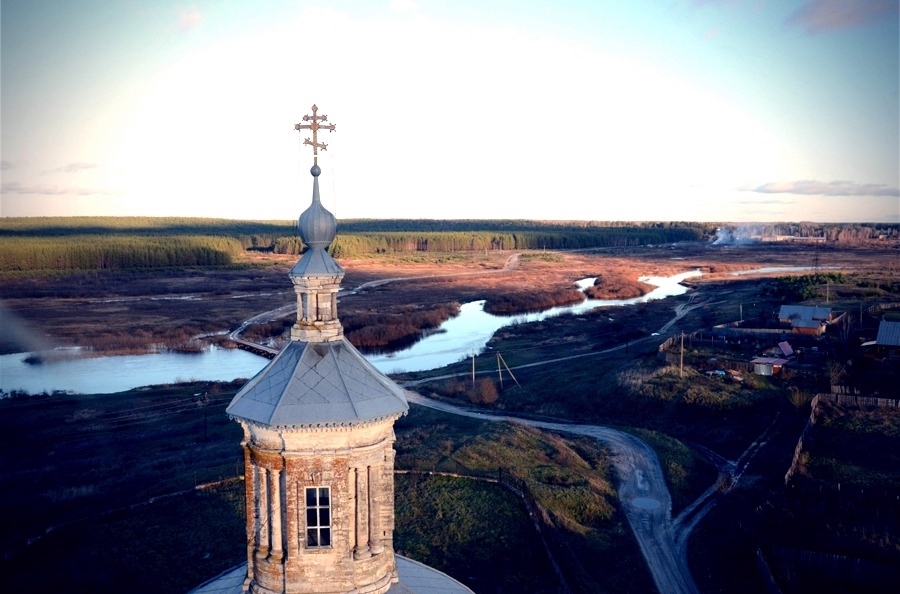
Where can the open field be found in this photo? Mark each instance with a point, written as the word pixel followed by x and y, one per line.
pixel 676 410
pixel 128 311
pixel 106 499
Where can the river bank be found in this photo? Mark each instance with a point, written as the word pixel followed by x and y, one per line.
pixel 129 311
pixel 461 336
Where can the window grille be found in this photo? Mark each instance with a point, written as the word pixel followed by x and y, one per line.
pixel 318 517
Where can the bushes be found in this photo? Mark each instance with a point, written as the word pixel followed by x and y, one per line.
pixel 483 392
pixel 396 329
pixel 617 286
pixel 803 287
pixel 533 301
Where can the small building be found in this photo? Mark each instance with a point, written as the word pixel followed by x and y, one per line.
pixel 810 320
pixel 808 327
pixel 788 313
pixel 768 365
pixel 888 339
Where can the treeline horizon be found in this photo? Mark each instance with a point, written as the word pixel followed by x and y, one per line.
pixel 67 244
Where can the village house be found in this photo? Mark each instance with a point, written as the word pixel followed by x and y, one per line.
pixel 806 319
pixel 887 341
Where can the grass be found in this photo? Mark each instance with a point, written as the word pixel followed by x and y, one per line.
pixel 571 478
pixel 169 546
pixel 93 512
pixel 472 530
pixel 856 447
pixel 87 454
pixel 630 390
pixel 93 470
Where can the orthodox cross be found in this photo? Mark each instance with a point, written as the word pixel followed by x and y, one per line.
pixel 314 125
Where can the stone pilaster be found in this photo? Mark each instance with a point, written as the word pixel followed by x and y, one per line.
pixel 361 550
pixel 317 319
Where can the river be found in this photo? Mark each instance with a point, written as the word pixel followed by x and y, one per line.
pixel 457 339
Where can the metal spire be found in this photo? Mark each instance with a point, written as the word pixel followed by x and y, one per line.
pixel 314 125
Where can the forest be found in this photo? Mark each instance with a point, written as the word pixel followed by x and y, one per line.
pixel 63 244
pixel 67 244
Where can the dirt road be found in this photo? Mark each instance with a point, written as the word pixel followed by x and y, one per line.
pixel 642 491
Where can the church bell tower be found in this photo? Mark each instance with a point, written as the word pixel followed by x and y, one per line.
pixel 318 426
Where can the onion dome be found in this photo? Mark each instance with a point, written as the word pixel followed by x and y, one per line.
pixel 317 226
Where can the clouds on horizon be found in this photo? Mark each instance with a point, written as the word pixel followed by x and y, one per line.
pixel 817 16
pixel 75 167
pixel 820 188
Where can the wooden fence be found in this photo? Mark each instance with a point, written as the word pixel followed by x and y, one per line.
pixel 843 399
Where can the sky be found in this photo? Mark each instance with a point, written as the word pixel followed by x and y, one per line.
pixel 605 110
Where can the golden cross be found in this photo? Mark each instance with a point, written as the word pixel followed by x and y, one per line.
pixel 314 125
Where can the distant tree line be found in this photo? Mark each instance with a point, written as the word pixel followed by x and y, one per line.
pixel 97 243
pixel 847 233
pixel 144 226
pixel 355 244
pixel 98 252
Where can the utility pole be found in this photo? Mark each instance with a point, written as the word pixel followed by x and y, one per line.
pixel 499 371
pixel 508 370
pixel 473 370
pixel 681 359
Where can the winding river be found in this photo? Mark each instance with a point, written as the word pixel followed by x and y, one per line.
pixel 457 339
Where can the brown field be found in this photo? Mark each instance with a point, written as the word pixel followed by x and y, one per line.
pixel 121 312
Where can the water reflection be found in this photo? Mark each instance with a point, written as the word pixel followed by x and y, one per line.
pixel 107 375
pixel 458 338
pixel 469 332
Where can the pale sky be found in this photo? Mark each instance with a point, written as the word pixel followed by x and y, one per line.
pixel 688 110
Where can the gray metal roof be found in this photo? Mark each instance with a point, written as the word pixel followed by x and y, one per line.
pixel 769 360
pixel 415 578
pixel 804 312
pixel 316 225
pixel 888 333
pixel 316 262
pixel 318 384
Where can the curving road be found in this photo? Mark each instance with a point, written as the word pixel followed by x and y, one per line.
pixel 642 491
pixel 642 488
